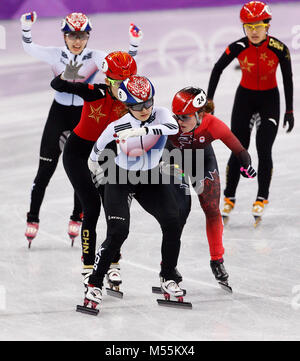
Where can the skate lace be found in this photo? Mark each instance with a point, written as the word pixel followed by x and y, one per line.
pixel 113 274
pixel 94 293
pixel 172 285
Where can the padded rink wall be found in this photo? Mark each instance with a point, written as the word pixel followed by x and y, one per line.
pixel 11 9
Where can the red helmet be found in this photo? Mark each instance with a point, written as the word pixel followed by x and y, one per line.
pixel 119 65
pixel 188 101
pixel 255 11
pixel 76 22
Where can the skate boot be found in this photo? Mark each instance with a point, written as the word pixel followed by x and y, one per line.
pixel 258 209
pixel 178 276
pixel 86 272
pixel 31 231
pixel 73 230
pixel 170 288
pixel 113 278
pixel 219 271
pixel 92 301
pixel 228 207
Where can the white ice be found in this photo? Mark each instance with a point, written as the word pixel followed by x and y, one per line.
pixel 40 287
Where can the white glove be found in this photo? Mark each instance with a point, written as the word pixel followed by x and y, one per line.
pixel 27 20
pixel 97 172
pixel 135 35
pixel 132 132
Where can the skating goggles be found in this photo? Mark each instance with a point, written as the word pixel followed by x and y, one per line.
pixel 256 27
pixel 140 106
pixel 114 82
pixel 81 35
pixel 183 117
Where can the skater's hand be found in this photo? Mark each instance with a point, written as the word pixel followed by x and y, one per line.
pixel 71 71
pixel 248 172
pixel 171 169
pixel 97 172
pixel 135 35
pixel 123 135
pixel 93 165
pixel 27 20
pixel 288 119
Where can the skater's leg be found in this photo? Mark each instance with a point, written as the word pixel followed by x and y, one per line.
pixel 75 163
pixel 117 214
pixel 241 127
pixel 160 202
pixel 265 137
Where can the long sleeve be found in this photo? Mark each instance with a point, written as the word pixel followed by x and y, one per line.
pixel 99 56
pixel 220 130
pixel 168 127
pixel 88 92
pixel 287 77
pixel 43 53
pixel 105 138
pixel 227 57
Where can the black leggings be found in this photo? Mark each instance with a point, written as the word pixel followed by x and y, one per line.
pixel 246 104
pixel 75 157
pixel 61 120
pixel 159 201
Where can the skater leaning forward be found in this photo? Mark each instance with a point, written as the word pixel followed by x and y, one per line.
pixel 197 130
pixel 138 140
pixel 101 107
pixel 258 54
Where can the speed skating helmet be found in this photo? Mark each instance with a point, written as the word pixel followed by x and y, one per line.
pixel 255 11
pixel 76 22
pixel 136 89
pixel 119 65
pixel 188 100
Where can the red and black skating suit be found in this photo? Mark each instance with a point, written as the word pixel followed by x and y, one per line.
pixel 100 108
pixel 257 94
pixel 201 137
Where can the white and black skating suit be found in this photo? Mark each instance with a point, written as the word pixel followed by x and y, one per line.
pixel 138 154
pixel 63 116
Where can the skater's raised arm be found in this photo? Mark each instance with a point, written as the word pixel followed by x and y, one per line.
pixel 43 53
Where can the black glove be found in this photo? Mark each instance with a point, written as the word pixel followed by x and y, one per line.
pixel 248 172
pixel 288 118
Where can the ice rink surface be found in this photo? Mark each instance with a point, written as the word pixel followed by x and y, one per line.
pixel 40 287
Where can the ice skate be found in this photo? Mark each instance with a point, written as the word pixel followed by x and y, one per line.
pixel 73 230
pixel 228 207
pixel 170 288
pixel 86 272
pixel 158 290
pixel 258 209
pixel 219 271
pixel 113 278
pixel 31 231
pixel 92 301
